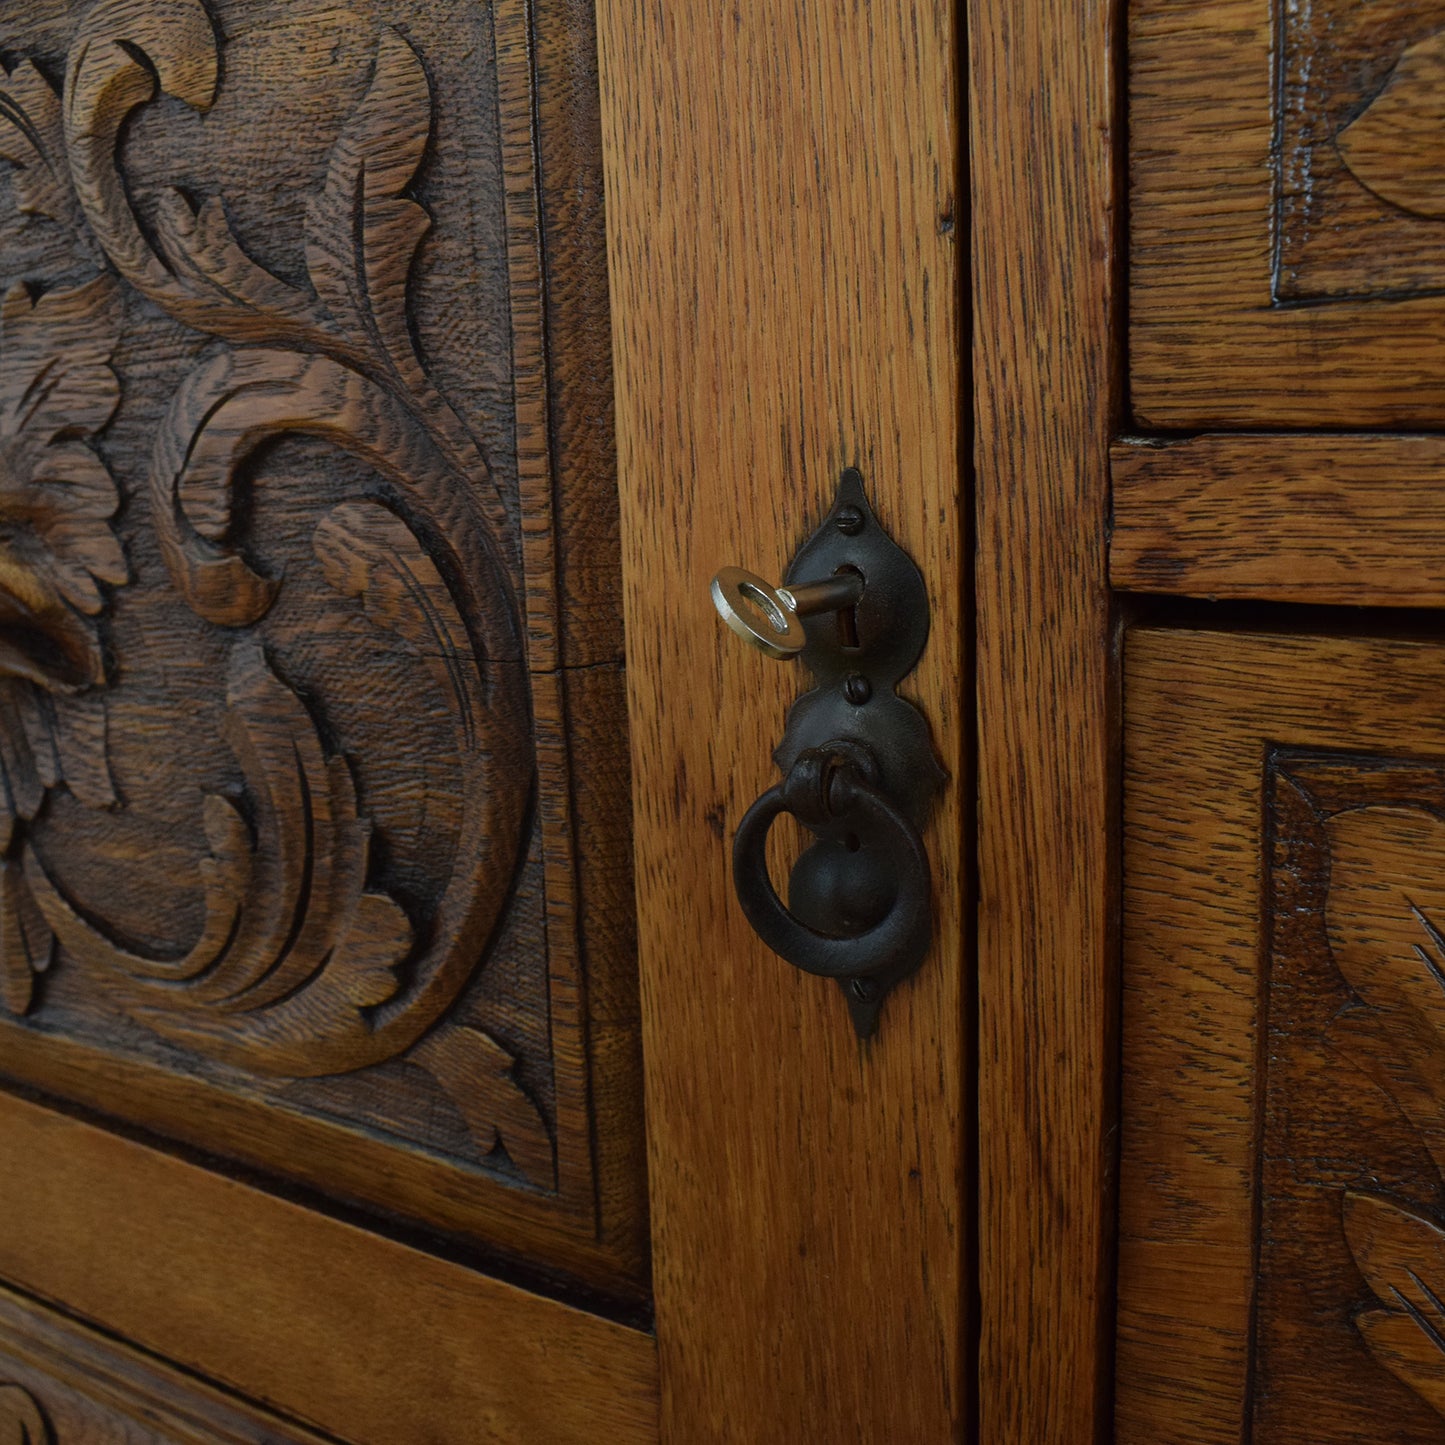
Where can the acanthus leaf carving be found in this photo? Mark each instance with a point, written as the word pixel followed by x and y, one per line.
pixel 32 140
pixel 57 551
pixel 477 1075
pixel 301 966
pixel 1402 1257
pixel 1384 911
pixel 296 950
pixel 124 52
pixel 362 231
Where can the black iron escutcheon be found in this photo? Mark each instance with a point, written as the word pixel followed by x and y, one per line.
pixel 859 768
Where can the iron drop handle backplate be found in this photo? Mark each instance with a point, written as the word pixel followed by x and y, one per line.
pixel 859 771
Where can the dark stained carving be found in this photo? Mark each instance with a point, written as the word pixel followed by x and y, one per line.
pixel 1387 891
pixel 1352 1226
pixel 1360 130
pixel 22 1421
pixel 1402 1255
pixel 285 726
pixel 57 553
pixel 1395 147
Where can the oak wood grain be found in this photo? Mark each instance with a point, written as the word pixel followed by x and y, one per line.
pixel 1268 283
pixel 91 1390
pixel 356 1335
pixel 1327 518
pixel 1045 402
pixel 313 762
pixel 782 219
pixel 1282 858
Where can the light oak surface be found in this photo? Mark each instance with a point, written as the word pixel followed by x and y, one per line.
pixel 1349 519
pixel 1281 269
pixel 1045 400
pixel 783 217
pixel 83 1387
pixel 366 1339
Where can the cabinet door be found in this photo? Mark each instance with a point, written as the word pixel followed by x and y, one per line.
pixel 1281 1236
pixel 323 957
pixel 1208 389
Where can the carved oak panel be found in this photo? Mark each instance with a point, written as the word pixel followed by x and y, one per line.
pixel 1360 183
pixel 1282 1202
pixel 1286 200
pixel 313 794
pixel 1352 1227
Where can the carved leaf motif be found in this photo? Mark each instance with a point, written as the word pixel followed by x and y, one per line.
pixel 1396 146
pixel 56 496
pixel 26 942
pixel 123 52
pixel 361 231
pixel 1384 912
pixel 22 1421
pixel 295 950
pixel 56 549
pixel 300 966
pixel 238 400
pixel 476 1073
pixel 1402 1257
pixel 368 552
pixel 32 139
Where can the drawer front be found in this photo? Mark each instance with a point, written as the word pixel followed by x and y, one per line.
pixel 1287 212
pixel 1282 1202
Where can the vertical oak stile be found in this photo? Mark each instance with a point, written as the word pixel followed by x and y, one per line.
pixel 1042 117
pixel 781 216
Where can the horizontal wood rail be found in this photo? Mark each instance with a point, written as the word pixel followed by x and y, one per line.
pixel 1354 520
pixel 367 1338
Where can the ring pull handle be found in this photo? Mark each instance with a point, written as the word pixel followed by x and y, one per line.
pixel 860 900
pixel 859 770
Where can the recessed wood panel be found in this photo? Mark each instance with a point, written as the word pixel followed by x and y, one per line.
pixel 1287 208
pixel 315 784
pixel 1282 1202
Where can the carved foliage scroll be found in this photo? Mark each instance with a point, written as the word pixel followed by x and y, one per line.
pixel 289 552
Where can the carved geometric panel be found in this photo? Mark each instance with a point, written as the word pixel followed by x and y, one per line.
pixel 315 806
pixel 1281 1266
pixel 1360 189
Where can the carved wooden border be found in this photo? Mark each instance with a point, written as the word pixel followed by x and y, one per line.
pixel 584 1223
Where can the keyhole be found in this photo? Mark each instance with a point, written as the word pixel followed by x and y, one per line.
pixel 848 616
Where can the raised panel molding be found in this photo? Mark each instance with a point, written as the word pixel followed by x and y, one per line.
pixel 1285 263
pixel 312 742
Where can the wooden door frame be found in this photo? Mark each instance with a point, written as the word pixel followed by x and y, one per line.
pixel 1047 393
